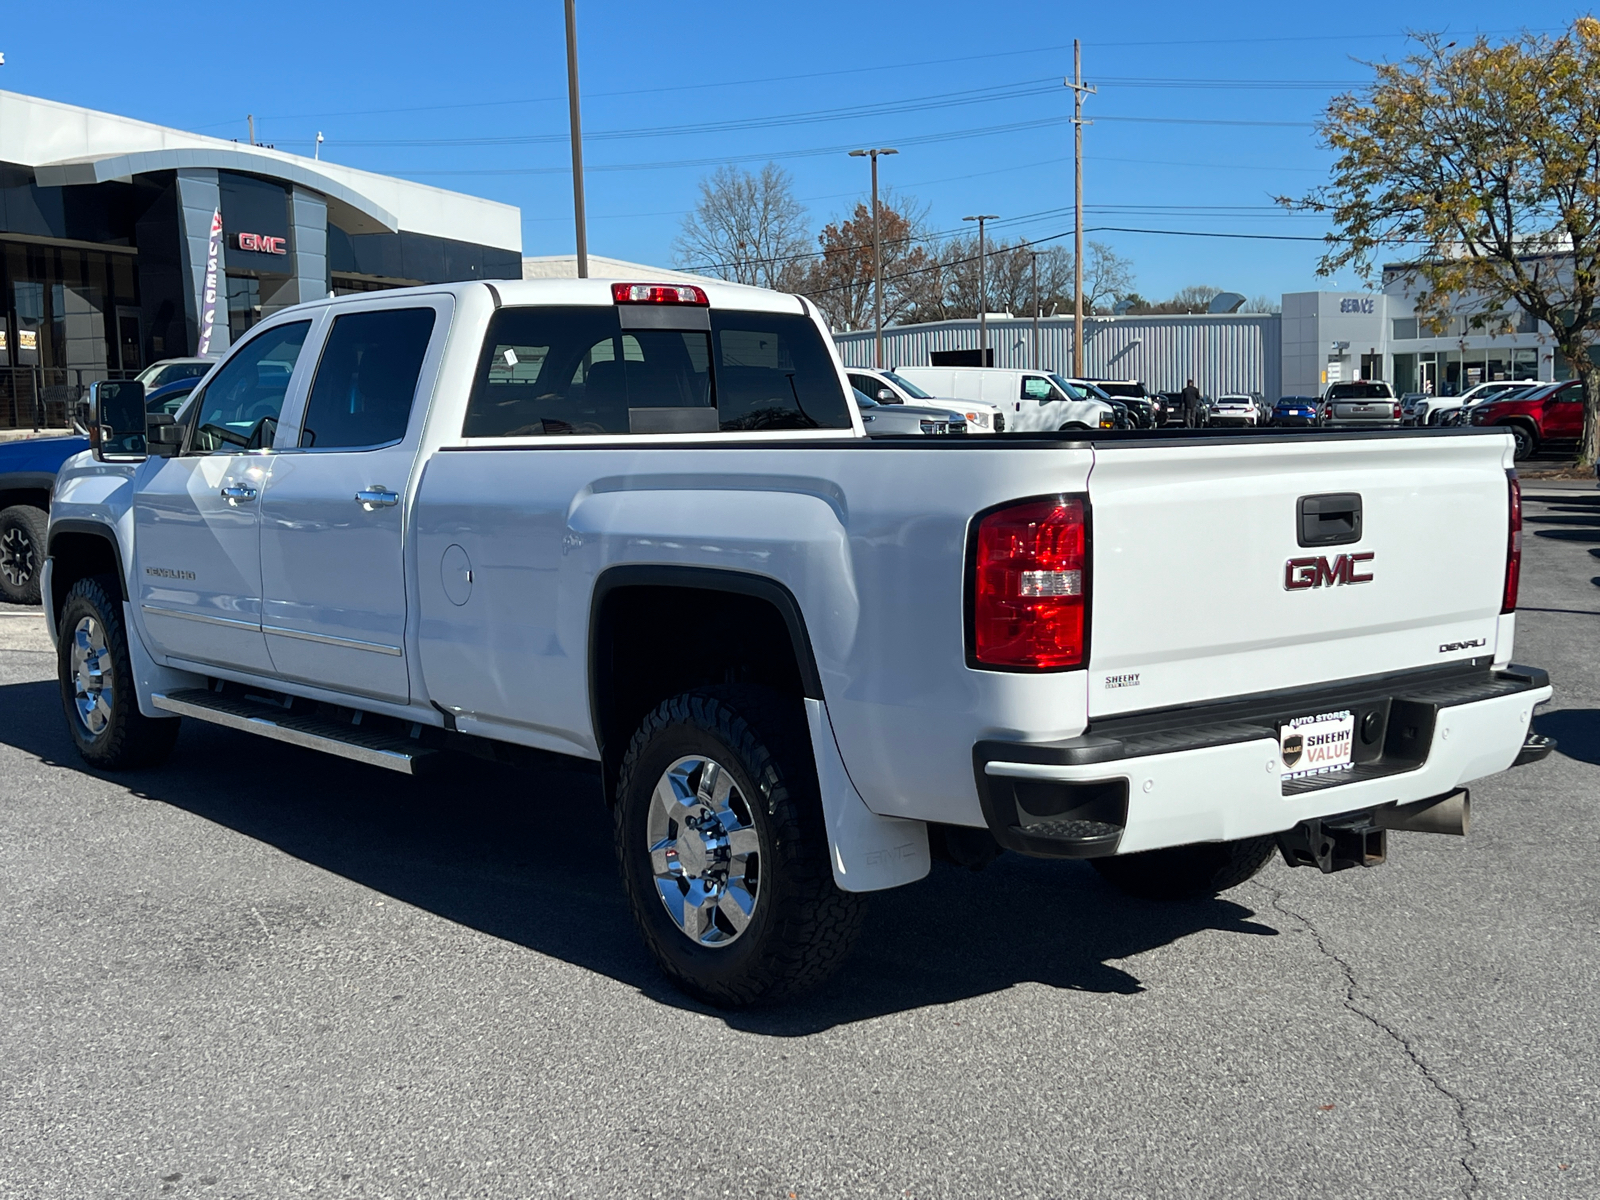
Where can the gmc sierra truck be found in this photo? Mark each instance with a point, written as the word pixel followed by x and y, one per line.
pixel 641 524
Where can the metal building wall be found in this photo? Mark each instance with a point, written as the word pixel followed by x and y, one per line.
pixel 1240 352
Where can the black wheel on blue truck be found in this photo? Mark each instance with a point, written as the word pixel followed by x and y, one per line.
pixel 22 552
pixel 97 694
pixel 1183 872
pixel 723 850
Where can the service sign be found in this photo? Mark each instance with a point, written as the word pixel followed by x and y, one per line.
pixel 1315 744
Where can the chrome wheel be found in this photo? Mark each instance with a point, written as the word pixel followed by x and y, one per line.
pixel 91 676
pixel 705 854
pixel 18 559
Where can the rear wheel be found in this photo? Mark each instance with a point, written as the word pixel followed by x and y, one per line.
pixel 723 850
pixel 22 542
pixel 1186 871
pixel 96 677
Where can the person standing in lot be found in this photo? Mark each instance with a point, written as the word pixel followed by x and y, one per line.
pixel 1191 405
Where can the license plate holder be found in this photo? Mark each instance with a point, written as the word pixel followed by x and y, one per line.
pixel 1317 744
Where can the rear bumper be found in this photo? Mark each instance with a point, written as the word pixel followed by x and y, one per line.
pixel 1214 774
pixel 1362 422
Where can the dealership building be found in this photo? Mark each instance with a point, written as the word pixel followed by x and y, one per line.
pixel 110 227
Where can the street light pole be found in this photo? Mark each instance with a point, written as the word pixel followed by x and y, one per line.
pixel 577 142
pixel 877 258
pixel 1034 255
pixel 983 290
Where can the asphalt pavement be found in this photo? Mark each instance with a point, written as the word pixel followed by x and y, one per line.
pixel 259 972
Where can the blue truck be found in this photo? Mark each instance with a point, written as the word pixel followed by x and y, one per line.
pixel 27 476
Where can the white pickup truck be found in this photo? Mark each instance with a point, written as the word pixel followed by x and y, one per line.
pixel 641 524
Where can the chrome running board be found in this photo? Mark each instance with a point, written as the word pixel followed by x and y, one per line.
pixel 375 747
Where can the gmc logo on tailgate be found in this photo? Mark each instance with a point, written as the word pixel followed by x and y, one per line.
pixel 1302 573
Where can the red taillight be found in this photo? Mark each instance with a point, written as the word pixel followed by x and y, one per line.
pixel 1508 602
pixel 657 293
pixel 1397 410
pixel 1031 586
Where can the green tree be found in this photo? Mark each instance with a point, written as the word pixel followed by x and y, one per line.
pixel 1481 165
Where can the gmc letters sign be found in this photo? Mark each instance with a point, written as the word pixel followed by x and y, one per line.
pixel 1302 573
pixel 260 243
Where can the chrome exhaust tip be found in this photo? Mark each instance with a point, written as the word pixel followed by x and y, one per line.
pixel 1450 813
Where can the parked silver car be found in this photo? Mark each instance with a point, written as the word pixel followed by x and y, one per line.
pixel 1362 404
pixel 898 420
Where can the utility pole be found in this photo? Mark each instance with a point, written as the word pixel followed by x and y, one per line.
pixel 983 290
pixel 1034 255
pixel 577 142
pixel 1078 92
pixel 877 259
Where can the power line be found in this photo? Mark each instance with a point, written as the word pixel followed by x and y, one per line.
pixel 880 66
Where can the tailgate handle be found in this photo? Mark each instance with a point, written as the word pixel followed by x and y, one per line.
pixel 1333 519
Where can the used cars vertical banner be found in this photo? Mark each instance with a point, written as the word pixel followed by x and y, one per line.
pixel 208 310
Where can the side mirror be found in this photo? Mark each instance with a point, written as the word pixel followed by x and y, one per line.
pixel 887 396
pixel 117 420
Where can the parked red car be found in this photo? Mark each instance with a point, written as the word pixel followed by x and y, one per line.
pixel 1553 413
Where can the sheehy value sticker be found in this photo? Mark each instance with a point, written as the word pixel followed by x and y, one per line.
pixel 1315 744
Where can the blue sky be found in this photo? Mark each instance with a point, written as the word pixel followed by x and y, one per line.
pixel 1203 112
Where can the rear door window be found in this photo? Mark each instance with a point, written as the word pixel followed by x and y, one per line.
pixel 367 379
pixel 239 408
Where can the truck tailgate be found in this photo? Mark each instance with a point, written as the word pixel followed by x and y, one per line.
pixel 1194 546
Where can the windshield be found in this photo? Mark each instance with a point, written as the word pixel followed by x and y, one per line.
pixel 1124 391
pixel 1360 391
pixel 1077 391
pixel 1236 401
pixel 906 386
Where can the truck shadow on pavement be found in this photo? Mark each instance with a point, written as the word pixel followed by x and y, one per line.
pixel 527 857
pixel 1576 731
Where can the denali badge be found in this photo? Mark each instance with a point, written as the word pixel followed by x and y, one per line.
pixel 1450 647
pixel 1302 573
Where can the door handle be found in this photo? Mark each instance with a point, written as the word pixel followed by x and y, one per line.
pixel 377 497
pixel 235 494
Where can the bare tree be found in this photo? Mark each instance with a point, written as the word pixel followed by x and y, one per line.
pixel 1262 304
pixel 839 279
pixel 747 227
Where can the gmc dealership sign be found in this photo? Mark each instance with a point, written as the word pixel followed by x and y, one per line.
pixel 260 243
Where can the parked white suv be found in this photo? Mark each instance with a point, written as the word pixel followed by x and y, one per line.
pixel 1032 401
pixel 887 387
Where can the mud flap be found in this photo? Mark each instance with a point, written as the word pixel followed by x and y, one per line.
pixel 868 852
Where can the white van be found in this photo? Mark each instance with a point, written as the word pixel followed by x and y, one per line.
pixel 888 388
pixel 1031 400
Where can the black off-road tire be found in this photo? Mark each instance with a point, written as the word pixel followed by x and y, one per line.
pixel 22 551
pixel 1183 872
pixel 129 738
pixel 803 926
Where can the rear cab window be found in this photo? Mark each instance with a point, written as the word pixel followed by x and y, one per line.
pixel 551 371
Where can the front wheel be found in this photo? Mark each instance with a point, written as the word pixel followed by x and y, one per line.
pixel 96 677
pixel 723 851
pixel 1186 871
